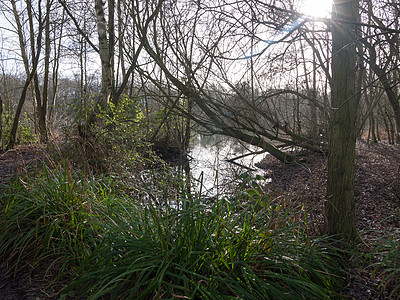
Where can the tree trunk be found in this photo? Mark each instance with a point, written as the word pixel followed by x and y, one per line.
pixel 372 128
pixel 57 43
pixel 14 128
pixel 340 216
pixel 42 105
pixel 104 52
pixel 30 74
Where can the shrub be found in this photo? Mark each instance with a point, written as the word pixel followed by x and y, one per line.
pixel 115 143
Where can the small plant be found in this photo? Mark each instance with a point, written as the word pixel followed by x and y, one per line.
pixel 26 133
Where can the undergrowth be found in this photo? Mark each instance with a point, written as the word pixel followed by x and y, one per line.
pixel 109 243
pixel 386 262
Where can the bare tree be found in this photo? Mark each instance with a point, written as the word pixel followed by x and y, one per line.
pixel 144 12
pixel 105 48
pixel 35 29
pixel 382 54
pixel 31 70
pixel 248 118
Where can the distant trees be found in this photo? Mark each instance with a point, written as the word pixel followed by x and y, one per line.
pixel 36 28
pixel 382 55
pixel 31 65
pixel 210 48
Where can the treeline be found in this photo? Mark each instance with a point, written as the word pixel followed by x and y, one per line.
pixel 56 54
pixel 257 71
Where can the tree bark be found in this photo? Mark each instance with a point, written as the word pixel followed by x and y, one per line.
pixel 105 58
pixel 14 128
pixel 42 105
pixel 340 215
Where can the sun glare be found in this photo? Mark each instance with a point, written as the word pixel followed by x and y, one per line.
pixel 317 8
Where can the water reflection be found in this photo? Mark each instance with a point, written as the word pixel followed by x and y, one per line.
pixel 209 164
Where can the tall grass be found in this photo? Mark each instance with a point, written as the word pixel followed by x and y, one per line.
pixel 46 218
pixel 387 254
pixel 110 244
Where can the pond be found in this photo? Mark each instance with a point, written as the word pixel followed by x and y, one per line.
pixel 212 165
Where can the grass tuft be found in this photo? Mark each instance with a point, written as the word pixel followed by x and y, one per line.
pixel 111 243
pixel 387 252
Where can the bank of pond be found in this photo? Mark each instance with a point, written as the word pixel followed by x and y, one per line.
pixel 104 238
pixel 199 228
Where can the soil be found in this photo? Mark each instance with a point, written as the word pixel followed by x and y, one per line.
pixel 377 204
pixel 18 160
pixel 377 184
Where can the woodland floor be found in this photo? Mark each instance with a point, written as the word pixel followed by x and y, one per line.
pixel 377 199
pixel 377 204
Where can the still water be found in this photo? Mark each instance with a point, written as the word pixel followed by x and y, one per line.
pixel 209 164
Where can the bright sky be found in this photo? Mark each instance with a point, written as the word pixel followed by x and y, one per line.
pixel 317 8
pixel 312 8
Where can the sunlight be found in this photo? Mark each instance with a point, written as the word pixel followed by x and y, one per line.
pixel 317 8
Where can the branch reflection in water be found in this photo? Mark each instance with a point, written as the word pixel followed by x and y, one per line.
pixel 214 166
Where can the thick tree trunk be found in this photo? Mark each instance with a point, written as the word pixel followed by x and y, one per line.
pixel 340 216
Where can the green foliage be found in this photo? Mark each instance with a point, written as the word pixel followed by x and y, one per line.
pixel 123 139
pixel 116 141
pixel 122 125
pixel 122 131
pixel 116 244
pixel 26 132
